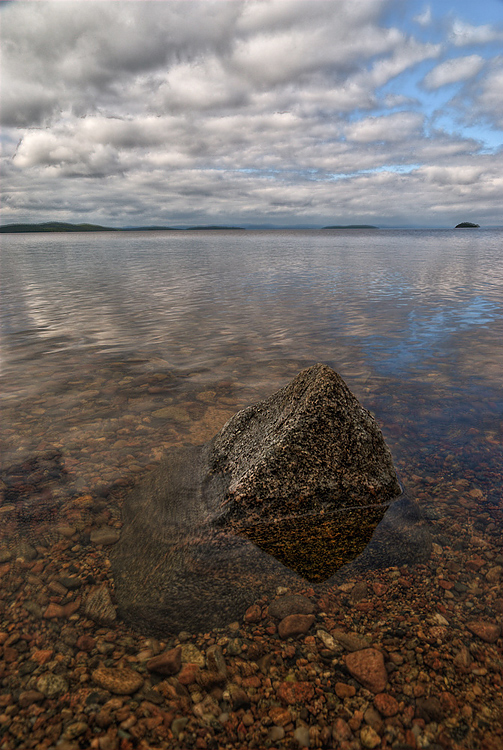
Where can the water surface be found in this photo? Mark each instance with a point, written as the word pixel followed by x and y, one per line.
pixel 117 346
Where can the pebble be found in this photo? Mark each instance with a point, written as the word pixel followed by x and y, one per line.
pixel 294 625
pixel 291 604
pixel 192 654
pixel 215 660
pixel 276 734
pixel 28 697
pixel 327 640
pixel 487 631
pixel 367 666
pixel 105 535
pixel 75 730
pixel 98 606
pixel 167 663
pixel 280 716
pixel 351 641
pixel 343 690
pixel 386 704
pixel 301 736
pixel 369 737
pixel 237 696
pixel 118 680
pixel 292 693
pixel 52 685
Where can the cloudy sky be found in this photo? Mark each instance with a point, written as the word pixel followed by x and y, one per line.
pixel 250 112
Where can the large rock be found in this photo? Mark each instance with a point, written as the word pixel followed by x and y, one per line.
pixel 309 448
pixel 291 488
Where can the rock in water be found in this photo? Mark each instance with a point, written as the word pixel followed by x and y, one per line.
pixel 291 488
pixel 309 448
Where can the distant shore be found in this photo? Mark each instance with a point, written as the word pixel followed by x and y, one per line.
pixel 56 226
pixel 61 227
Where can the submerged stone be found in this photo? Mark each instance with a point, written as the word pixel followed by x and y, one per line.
pixel 290 490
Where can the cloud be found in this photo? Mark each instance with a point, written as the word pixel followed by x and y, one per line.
pixel 425 18
pixel 487 101
pixel 284 108
pixel 463 34
pixel 453 71
pixel 462 175
pixel 396 127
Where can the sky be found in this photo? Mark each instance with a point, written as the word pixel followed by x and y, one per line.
pixel 252 112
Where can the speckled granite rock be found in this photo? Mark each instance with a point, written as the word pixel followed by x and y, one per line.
pixel 215 527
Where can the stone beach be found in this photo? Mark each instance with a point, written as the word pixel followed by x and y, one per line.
pixel 399 657
pixel 403 658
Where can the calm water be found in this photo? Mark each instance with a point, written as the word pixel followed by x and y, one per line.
pixel 100 332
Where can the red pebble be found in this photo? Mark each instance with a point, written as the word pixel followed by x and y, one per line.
pixel 86 643
pixel 253 614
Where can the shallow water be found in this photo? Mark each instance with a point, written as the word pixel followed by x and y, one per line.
pixel 117 346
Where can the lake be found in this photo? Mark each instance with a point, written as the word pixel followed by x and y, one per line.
pixel 116 347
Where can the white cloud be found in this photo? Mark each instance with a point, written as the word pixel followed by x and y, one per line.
pixel 453 71
pixel 281 108
pixel 463 34
pixel 487 99
pixel 396 127
pixel 459 175
pixel 424 18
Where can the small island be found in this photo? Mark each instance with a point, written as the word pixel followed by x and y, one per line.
pixel 467 225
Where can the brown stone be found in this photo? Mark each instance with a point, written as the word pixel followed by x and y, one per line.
pixel 54 611
pixel 207 680
pixel 98 606
pixel 280 716
pixel 386 704
pixel 105 535
pixel 167 663
pixel 343 690
pixel 351 641
pixel 379 588
pixel 238 697
pixel 72 607
pixel 28 697
pixel 253 614
pixel 359 592
pixel 429 709
pixel 487 631
pixel 85 643
pixel 10 654
pixel 118 680
pixel 449 703
pixel 367 666
pixel 294 625
pixel 463 659
pixel 188 674
pixel 295 692
pixel 42 656
pixel 341 731
pixel 215 660
pixel 291 604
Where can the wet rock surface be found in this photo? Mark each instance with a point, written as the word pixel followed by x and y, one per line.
pixel 217 526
